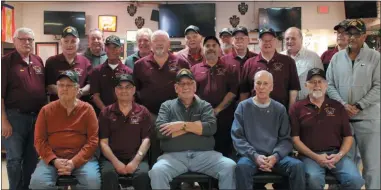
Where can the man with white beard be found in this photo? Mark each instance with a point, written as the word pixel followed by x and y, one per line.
pixel 226 41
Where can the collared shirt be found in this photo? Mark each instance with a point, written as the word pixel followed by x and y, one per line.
pixel 320 128
pixel 327 55
pixel 125 132
pixel 305 60
pixel 130 60
pixel 103 81
pixel 191 59
pixel 22 84
pixel 238 62
pixel 284 72
pixel 57 64
pixel 213 83
pixel 59 135
pixel 155 84
pixel 199 110
pixel 94 59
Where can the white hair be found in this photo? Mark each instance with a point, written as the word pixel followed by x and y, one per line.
pixel 23 31
pixel 159 33
pixel 263 72
pixel 296 29
pixel 95 30
pixel 144 31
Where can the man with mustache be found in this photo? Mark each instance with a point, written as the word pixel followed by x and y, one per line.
pixel 193 51
pixel 143 40
pixel 217 84
pixel 94 52
pixel 311 120
pixel 354 80
pixel 22 96
pixel 305 59
pixel 103 76
pixel 68 59
pixel 154 76
pixel 261 137
pixel 226 41
pixel 282 67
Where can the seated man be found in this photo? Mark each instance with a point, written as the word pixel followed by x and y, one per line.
pixel 66 137
pixel 124 129
pixel 261 136
pixel 185 127
pixel 322 136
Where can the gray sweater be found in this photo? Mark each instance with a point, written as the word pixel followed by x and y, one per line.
pixel 261 131
pixel 200 110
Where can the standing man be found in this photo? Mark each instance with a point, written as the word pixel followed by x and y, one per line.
pixel 103 76
pixel 94 52
pixel 155 76
pixel 124 130
pixel 282 67
pixel 217 84
pixel 240 53
pixel 185 126
pixel 312 119
pixel 305 59
pixel 342 40
pixel 261 137
pixel 193 50
pixel 226 41
pixel 22 97
pixel 68 59
pixel 354 80
pixel 143 38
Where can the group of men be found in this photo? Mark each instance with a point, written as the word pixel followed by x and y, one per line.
pixel 192 110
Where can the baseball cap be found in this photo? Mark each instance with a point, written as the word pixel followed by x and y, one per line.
pixel 357 24
pixel 192 28
pixel 113 40
pixel 184 73
pixel 266 31
pixel 314 72
pixel 72 75
pixel 124 78
pixel 225 31
pixel 211 38
pixel 342 24
pixel 240 29
pixel 70 31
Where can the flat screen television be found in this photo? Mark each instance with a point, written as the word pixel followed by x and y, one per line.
pixel 280 19
pixel 56 21
pixel 175 18
pixel 360 9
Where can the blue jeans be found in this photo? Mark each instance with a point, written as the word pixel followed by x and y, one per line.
pixel 88 176
pixel 211 163
pixel 345 172
pixel 290 167
pixel 22 157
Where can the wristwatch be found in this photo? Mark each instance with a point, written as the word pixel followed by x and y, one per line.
pixel 140 153
pixel 358 106
pixel 340 154
pixel 184 126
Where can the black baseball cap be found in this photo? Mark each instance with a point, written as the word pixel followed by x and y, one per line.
pixel 70 74
pixel 211 38
pixel 314 72
pixel 184 73
pixel 357 24
pixel 225 31
pixel 192 28
pixel 113 40
pixel 342 24
pixel 70 31
pixel 240 29
pixel 266 31
pixel 124 78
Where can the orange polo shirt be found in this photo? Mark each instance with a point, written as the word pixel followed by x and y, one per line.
pixel 74 136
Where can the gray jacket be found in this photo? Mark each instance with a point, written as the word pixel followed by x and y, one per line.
pixel 358 84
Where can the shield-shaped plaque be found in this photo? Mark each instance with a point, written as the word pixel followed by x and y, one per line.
pixel 131 9
pixel 242 8
pixel 139 22
pixel 234 21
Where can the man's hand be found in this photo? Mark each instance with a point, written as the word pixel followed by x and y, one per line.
pixel 351 110
pixel 120 167
pixel 61 165
pixel 321 159
pixel 6 128
pixel 261 163
pixel 332 160
pixel 131 167
pixel 168 128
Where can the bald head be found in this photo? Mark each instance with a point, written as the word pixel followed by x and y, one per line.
pixel 264 75
pixel 263 85
pixel 294 40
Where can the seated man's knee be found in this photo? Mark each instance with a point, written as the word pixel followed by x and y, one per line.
pixel 37 181
pixel 244 165
pixel 315 181
pixel 109 172
pixel 297 166
pixel 353 181
pixel 91 181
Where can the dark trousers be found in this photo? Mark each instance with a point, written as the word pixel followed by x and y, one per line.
pixel 140 178
pixel 223 137
pixel 21 157
pixel 288 166
pixel 154 150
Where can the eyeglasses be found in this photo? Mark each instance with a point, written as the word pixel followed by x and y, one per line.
pixel 356 35
pixel 65 85
pixel 30 40
pixel 183 84
pixel 264 84
pixel 124 87
pixel 240 38
pixel 315 82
